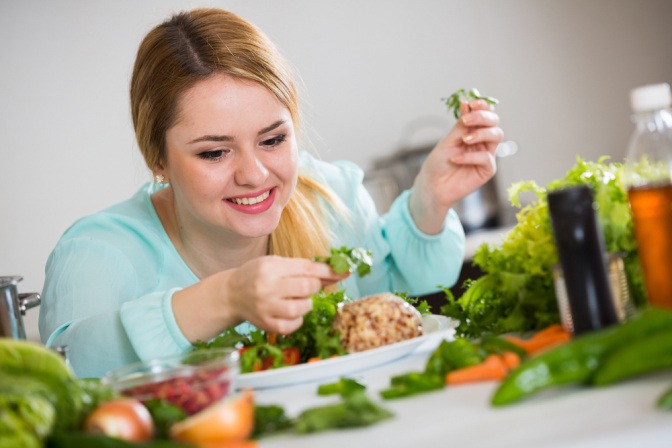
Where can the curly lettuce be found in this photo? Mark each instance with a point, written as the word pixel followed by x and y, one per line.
pixel 516 292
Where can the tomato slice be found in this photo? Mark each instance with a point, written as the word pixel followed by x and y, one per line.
pixel 292 355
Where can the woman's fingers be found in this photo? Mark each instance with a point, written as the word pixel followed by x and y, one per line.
pixel 284 326
pixel 492 135
pixel 482 158
pixel 485 118
pixel 275 292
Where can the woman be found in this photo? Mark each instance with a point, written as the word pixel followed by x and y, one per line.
pixel 224 235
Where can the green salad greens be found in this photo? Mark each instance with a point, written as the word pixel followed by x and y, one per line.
pixel 314 339
pixel 516 292
pixel 40 395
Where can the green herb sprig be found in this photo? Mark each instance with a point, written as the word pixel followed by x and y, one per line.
pixel 347 259
pixel 454 100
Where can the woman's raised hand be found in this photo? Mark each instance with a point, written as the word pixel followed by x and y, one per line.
pixel 460 163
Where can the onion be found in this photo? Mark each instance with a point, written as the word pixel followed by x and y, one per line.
pixel 123 418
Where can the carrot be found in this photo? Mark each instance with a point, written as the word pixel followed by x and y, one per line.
pixel 551 329
pixel 317 358
pixel 538 344
pixel 272 338
pixel 546 338
pixel 492 368
pixel 511 360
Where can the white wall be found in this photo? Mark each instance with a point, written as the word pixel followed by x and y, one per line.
pixel 373 71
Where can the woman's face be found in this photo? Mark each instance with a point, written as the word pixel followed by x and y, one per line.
pixel 231 157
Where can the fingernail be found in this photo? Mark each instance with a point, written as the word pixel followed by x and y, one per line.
pixel 466 120
pixel 467 138
pixel 457 159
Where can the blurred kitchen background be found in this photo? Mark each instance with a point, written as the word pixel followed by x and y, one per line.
pixel 373 75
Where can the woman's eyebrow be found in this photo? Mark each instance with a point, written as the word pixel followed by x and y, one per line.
pixel 228 138
pixel 271 127
pixel 212 138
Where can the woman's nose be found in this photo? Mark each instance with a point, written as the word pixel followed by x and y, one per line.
pixel 249 169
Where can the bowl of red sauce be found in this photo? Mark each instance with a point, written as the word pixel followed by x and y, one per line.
pixel 193 380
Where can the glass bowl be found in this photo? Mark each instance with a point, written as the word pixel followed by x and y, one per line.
pixel 193 381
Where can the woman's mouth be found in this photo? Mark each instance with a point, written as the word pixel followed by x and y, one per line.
pixel 251 201
pixel 254 203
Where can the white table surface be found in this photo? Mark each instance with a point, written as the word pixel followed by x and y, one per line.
pixel 623 415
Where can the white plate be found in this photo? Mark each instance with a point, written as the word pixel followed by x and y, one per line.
pixel 436 328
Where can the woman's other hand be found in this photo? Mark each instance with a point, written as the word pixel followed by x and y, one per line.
pixel 272 293
pixel 459 164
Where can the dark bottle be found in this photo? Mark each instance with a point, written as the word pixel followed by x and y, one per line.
pixel 582 258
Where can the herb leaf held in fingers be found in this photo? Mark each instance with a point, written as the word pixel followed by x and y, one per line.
pixel 347 259
pixel 454 100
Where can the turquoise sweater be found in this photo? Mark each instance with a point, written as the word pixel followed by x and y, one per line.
pixel 111 277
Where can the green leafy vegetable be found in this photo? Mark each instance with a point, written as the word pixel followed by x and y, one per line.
pixel 355 410
pixel 453 355
pixel 342 387
pixel 412 383
pixel 164 415
pixel 315 338
pixel 270 419
pixel 453 101
pixel 516 292
pixel 346 259
pixel 25 420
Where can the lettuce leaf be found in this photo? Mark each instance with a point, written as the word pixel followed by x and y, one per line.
pixel 516 292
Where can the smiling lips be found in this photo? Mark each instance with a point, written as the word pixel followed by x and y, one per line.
pixel 257 203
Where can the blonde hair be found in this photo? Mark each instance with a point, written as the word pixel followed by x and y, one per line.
pixel 194 45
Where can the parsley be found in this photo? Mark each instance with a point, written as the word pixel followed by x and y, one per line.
pixel 453 101
pixel 346 259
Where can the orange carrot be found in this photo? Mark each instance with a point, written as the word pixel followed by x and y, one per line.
pixel 317 358
pixel 229 444
pixel 492 368
pixel 544 339
pixel 511 360
pixel 272 338
pixel 551 329
pixel 538 344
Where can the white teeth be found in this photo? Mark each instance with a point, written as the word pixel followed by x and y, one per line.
pixel 251 201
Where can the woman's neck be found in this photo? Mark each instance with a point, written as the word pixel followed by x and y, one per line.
pixel 205 252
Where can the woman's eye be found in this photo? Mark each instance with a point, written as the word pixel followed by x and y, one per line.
pixel 211 155
pixel 275 141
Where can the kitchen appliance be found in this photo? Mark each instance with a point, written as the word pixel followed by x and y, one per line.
pixel 13 307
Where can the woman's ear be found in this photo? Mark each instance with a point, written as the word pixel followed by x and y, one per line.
pixel 160 176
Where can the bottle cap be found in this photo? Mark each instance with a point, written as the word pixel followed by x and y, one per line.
pixel 650 97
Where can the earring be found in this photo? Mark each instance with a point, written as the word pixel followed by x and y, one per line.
pixel 159 178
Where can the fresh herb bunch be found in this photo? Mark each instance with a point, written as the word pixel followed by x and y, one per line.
pixel 516 292
pixel 454 100
pixel 347 259
pixel 315 338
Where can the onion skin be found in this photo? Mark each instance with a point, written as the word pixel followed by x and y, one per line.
pixel 123 418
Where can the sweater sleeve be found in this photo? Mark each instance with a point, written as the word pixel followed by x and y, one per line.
pixel 405 258
pixel 92 303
